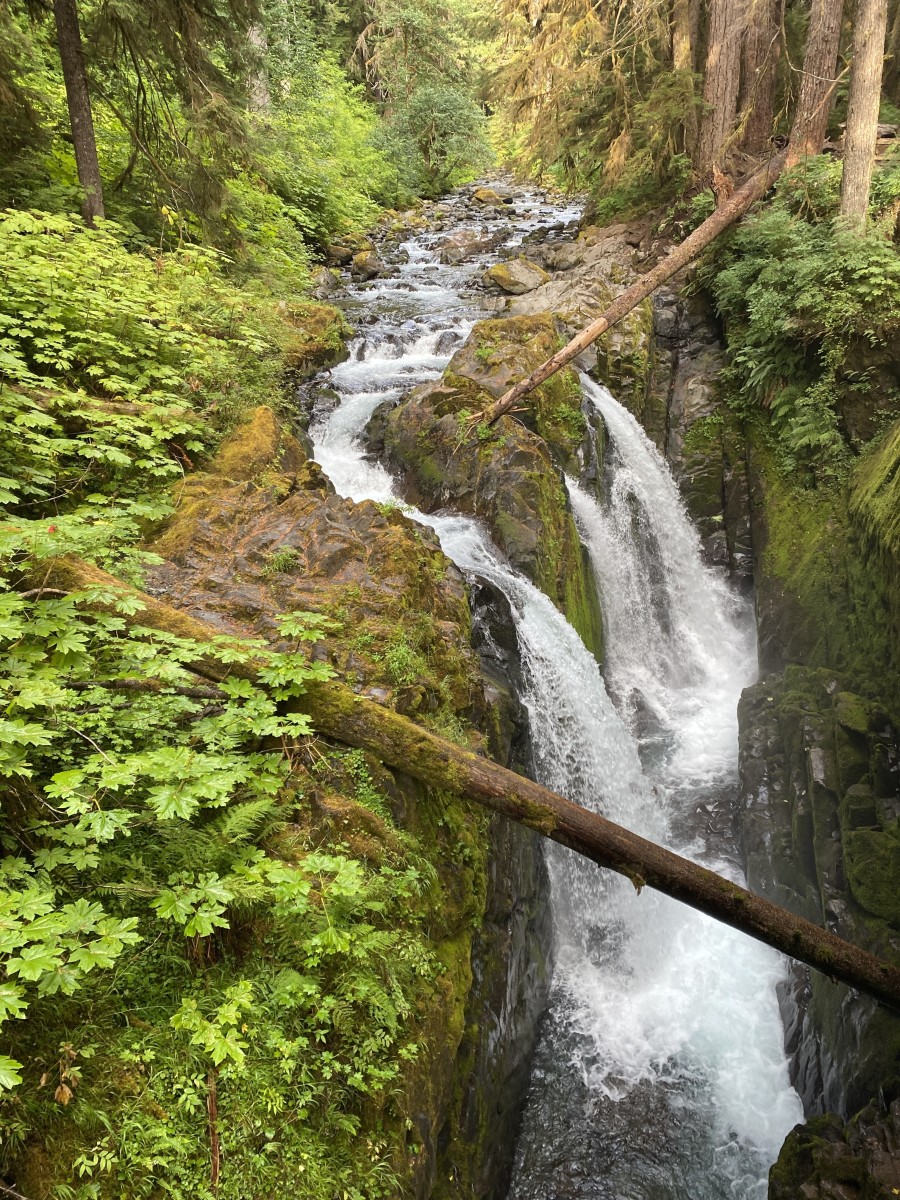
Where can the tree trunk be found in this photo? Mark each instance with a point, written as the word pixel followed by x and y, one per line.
pixel 720 86
pixel 892 66
pixel 695 9
pixel 683 60
pixel 819 80
pixel 679 257
pixel 861 131
pixel 339 713
pixel 762 49
pixel 68 36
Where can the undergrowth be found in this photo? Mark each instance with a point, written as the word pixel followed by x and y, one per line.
pixel 812 311
pixel 202 994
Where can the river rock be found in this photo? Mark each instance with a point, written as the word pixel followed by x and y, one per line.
pixel 517 276
pixel 340 252
pixel 366 265
pixel 485 195
pixel 462 245
pixel 326 283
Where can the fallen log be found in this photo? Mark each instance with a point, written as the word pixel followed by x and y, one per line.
pixel 340 713
pixel 677 258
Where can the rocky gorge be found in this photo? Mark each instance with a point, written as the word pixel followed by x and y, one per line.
pixel 816 814
pixel 484 613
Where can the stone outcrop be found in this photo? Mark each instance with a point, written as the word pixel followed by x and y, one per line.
pixel 506 474
pixel 260 532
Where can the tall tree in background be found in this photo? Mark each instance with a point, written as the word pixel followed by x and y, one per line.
pixel 71 53
pixel 727 24
pixel 862 110
pixel 762 49
pixel 683 60
pixel 819 78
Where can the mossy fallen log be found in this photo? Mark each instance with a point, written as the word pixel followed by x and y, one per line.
pixel 340 713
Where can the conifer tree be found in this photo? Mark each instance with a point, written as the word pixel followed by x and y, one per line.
pixel 71 53
pixel 727 26
pixel 861 133
pixel 819 79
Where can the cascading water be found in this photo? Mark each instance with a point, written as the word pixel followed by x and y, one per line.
pixel 665 1021
pixel 660 1073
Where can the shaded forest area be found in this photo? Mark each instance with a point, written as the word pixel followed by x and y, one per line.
pixel 224 963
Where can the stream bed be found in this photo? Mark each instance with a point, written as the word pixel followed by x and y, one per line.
pixel 660 1072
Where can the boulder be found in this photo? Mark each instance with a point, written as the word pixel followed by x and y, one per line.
pixel 340 252
pixel 488 196
pixel 366 265
pixel 517 276
pixel 326 283
pixel 462 245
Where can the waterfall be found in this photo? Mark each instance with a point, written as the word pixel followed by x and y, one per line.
pixel 660 1074
pixel 667 1012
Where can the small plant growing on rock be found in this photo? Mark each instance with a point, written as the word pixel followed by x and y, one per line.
pixel 280 560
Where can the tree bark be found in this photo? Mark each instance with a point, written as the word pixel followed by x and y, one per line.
pixel 762 49
pixel 683 60
pixel 679 257
pixel 861 131
pixel 71 53
pixel 339 713
pixel 892 66
pixel 818 81
pixel 727 20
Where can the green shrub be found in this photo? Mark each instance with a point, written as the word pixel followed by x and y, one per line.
pixel 800 295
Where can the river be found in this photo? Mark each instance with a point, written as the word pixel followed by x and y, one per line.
pixel 660 1072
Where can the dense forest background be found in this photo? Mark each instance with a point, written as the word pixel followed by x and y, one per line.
pixel 171 174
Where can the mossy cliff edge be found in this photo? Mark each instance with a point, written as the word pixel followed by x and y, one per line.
pixel 259 532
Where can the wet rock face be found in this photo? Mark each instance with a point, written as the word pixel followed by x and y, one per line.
pixel 819 809
pixel 506 473
pixel 828 1160
pixel 511 954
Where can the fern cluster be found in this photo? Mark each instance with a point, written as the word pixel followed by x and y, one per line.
pixel 810 309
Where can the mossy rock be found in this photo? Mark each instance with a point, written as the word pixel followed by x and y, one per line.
pixel 505 474
pixel 316 338
pixel 823 597
pixel 516 276
pixel 488 196
pixel 872 857
pixel 826 1159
